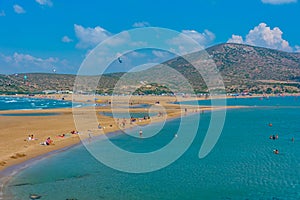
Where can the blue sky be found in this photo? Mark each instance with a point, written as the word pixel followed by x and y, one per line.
pixel 42 35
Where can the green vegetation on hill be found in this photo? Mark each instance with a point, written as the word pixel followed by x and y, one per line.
pixel 242 67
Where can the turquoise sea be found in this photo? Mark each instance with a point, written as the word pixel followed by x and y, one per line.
pixel 30 103
pixel 255 101
pixel 242 164
pixel 28 114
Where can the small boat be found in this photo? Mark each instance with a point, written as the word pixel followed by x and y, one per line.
pixel 34 196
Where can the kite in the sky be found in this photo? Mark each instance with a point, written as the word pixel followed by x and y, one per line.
pixel 120 60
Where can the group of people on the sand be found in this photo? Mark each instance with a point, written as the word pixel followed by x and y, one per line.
pixel 122 123
pixel 68 134
pixel 30 137
pixel 49 141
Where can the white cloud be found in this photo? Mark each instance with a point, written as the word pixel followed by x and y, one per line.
pixel 160 54
pixel 66 39
pixel 28 59
pixel 264 36
pixel 297 48
pixel 19 59
pixel 277 2
pixel 18 9
pixel 90 37
pixel 189 41
pixel 140 24
pixel 5 58
pixel 45 2
pixel 236 39
pixel 19 62
pixel 134 54
pixel 2 13
pixel 203 39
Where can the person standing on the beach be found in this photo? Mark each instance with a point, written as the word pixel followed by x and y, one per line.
pixel 29 137
pixel 123 122
pixel 141 133
pixel 90 136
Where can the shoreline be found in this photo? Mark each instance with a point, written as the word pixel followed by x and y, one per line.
pixel 7 174
pixel 65 114
pixel 75 140
pixel 176 111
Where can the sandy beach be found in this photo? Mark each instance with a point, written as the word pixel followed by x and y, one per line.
pixel 15 147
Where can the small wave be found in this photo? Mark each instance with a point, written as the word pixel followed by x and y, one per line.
pixel 10 101
pixel 78 106
pixel 43 106
pixel 100 105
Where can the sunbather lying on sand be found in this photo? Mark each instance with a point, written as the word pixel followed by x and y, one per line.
pixel 62 135
pixel 47 142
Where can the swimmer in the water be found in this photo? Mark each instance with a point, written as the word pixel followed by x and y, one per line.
pixel 276 151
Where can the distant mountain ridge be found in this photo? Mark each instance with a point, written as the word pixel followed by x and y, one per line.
pixel 256 63
pixel 251 68
pixel 243 68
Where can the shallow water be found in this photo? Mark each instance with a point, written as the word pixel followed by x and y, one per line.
pixel 138 106
pixel 128 115
pixel 241 166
